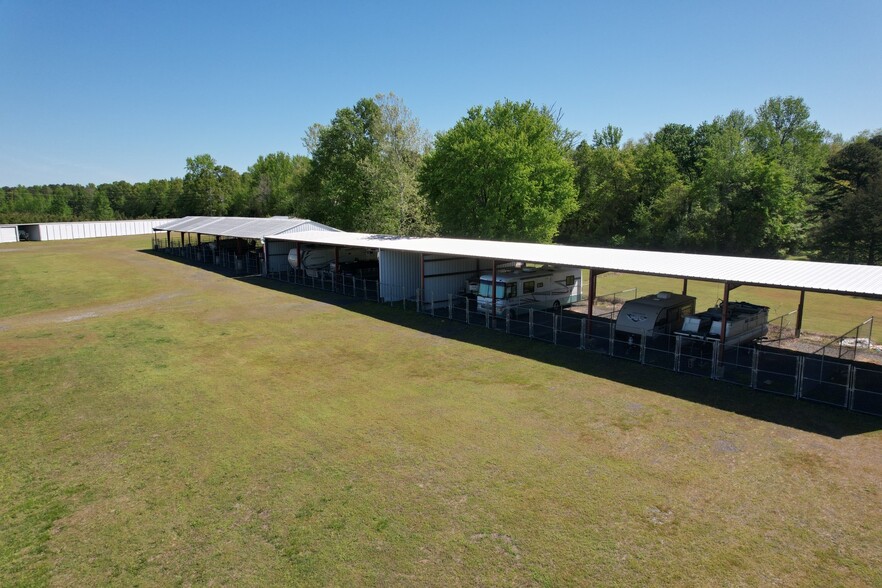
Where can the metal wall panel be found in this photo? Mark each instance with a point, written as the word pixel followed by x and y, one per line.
pixel 277 252
pixel 448 275
pixel 8 234
pixel 399 274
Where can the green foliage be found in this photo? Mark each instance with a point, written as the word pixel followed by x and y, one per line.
pixel 208 188
pixel 364 166
pixel 848 206
pixel 273 185
pixel 501 173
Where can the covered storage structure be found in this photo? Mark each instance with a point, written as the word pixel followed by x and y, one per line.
pixel 239 235
pixel 89 229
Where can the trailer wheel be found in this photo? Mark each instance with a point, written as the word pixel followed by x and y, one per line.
pixel 555 308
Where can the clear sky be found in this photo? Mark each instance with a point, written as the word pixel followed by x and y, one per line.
pixel 98 91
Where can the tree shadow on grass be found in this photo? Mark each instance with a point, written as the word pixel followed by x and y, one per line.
pixel 812 417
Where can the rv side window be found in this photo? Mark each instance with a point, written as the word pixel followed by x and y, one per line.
pixel 511 290
pixel 571 280
pixel 529 287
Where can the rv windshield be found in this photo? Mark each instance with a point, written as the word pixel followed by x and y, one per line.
pixel 486 291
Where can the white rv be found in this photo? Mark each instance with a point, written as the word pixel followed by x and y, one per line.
pixel 652 315
pixel 316 259
pixel 744 322
pixel 521 288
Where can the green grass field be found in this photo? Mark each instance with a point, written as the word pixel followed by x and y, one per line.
pixel 161 424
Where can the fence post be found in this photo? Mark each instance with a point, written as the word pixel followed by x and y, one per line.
pixel 419 300
pixel 852 377
pixel 800 373
pixel 508 322
pixel 716 351
pixel 468 312
pixel 554 327
pixel 487 319
pixel 403 298
pixel 643 349
pixel 582 334
pixel 531 323
pixel 678 345
pixel 754 367
pixel 450 306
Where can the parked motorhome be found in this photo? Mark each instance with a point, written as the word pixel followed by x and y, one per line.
pixel 316 259
pixel 521 288
pixel 652 315
pixel 744 322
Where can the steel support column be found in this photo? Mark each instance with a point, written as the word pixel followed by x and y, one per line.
pixel 422 277
pixel 592 294
pixel 724 319
pixel 799 310
pixel 493 290
pixel 685 286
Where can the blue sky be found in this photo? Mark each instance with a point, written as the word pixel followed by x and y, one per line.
pixel 105 91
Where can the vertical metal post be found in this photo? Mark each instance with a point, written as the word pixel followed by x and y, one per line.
pixel 531 323
pixel 592 294
pixel 493 288
pixel 450 306
pixel 754 367
pixel 554 327
pixel 685 286
pixel 799 310
pixel 724 319
pixel 422 274
pixel 678 346
pixel 582 334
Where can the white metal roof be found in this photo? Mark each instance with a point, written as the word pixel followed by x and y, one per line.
pixel 813 276
pixel 235 226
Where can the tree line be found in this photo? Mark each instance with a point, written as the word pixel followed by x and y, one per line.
pixel 767 183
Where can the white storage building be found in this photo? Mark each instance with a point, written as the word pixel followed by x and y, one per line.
pixel 89 229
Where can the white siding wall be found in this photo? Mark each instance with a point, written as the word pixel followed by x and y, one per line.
pixel 438 287
pixel 278 254
pixel 8 234
pixel 90 229
pixel 399 274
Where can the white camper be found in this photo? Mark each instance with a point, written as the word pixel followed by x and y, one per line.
pixel 521 288
pixel 652 315
pixel 316 259
pixel 744 322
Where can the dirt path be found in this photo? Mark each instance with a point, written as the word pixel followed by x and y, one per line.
pixel 72 315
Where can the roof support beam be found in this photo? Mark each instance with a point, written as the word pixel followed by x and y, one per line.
pixel 685 286
pixel 493 290
pixel 592 294
pixel 422 278
pixel 799 310
pixel 724 319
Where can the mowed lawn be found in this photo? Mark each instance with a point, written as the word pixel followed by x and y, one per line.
pixel 161 424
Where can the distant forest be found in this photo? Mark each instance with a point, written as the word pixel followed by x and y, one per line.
pixel 767 183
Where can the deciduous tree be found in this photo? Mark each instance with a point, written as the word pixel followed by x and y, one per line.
pixel 501 173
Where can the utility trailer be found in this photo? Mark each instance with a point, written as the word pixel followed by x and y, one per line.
pixel 521 288
pixel 653 315
pixel 744 322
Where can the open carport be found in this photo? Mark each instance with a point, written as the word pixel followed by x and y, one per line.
pixel 429 274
